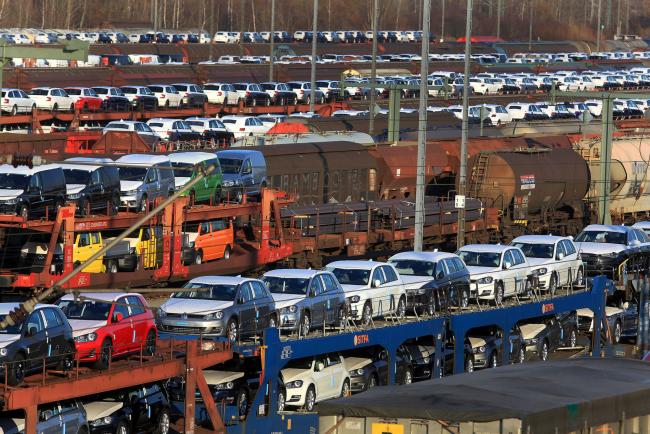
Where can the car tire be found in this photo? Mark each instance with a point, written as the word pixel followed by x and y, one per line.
pixel 143 204
pixel 281 399
pixel 493 361
pixel 66 363
pixel 617 332
pixel 345 389
pixel 104 356
pixel 82 207
pixel 112 266
pixel 372 382
pixel 469 365
pixel 543 352
pixel 366 314
pixel 55 108
pixel 408 377
pixel 115 206
pixel 23 212
pixel 573 338
pixel 72 108
pixel 198 258
pixel 401 308
pixel 163 422
pixel 232 330
pixel 498 294
pixel 463 302
pixel 122 428
pixel 14 110
pixel 521 357
pixel 310 399
pixel 150 343
pixel 226 253
pixel 242 403
pixel 552 285
pixel 305 324
pixel 16 373
pixel 579 280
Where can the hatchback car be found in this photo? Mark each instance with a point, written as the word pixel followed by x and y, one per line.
pixel 168 96
pixel 221 93
pixel 211 129
pixel 546 334
pixel 16 101
pixel 305 299
pixel 219 306
pixel 109 325
pixel 141 97
pixel 52 98
pixel 113 98
pixel 56 417
pixel 84 98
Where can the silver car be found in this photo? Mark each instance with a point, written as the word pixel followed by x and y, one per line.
pixel 305 299
pixel 219 306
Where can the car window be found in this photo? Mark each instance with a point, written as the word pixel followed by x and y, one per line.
pixel 121 307
pixel 316 286
pixel 51 318
pixel 245 293
pixel 258 290
pixel 569 247
pixel 330 283
pixel 641 236
pixel 135 305
pixel 389 272
pixel 378 275
pixel 205 227
pixel 35 182
pixel 94 237
pixel 35 322
pixel 519 257
pixel 247 168
pixel 219 225
pixel 450 265
pixel 84 239
pixel 332 360
pixel 560 249
pixel 508 259
pixel 459 264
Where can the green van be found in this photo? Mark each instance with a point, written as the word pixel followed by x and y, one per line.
pixel 185 166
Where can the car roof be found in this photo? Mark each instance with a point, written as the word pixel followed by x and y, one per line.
pixel 234 153
pixel 357 265
pixel 103 296
pixel 190 157
pixel 5 308
pixel 608 228
pixel 641 225
pixel 25 170
pixel 485 248
pixel 220 280
pixel 292 272
pixel 539 239
pixel 144 159
pixel 422 256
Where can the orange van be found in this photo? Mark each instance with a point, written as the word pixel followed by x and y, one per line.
pixel 208 241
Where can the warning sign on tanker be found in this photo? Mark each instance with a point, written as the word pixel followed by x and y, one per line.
pixel 527 182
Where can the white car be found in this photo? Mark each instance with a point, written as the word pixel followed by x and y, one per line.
pixel 303 92
pixel 242 126
pixel 221 93
pixel 312 380
pixel 496 271
pixel 172 129
pixel 167 95
pixel 52 98
pixel 525 111
pixel 134 126
pixel 374 289
pixel 228 60
pixel 644 226
pixel 16 101
pixel 225 37
pixel 554 259
pixel 496 113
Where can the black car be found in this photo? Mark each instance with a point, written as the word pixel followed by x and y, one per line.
pixel 142 97
pixel 252 94
pixel 369 368
pixel 546 334
pixel 234 382
pixel 113 98
pixel 45 336
pixel 55 417
pixel 32 193
pixel 488 347
pixel 280 93
pixel 141 409
pixel 192 94
pixel 93 188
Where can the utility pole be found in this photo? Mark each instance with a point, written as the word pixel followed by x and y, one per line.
pixel 462 172
pixel 422 130
pixel 618 17
pixel 212 29
pixel 442 23
pixel 373 69
pixel 272 40
pixel 155 15
pixel 598 29
pixel 314 38
pixel 627 17
pixel 241 27
pixel 499 12
pixel 530 25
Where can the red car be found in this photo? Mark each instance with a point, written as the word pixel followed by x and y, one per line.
pixel 85 98
pixel 108 325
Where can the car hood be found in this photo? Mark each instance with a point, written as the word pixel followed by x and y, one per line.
pixel 99 409
pixel 609 311
pixel 284 300
pixel 415 282
pixel 194 306
pixel 599 248
pixel 529 331
pixel 293 374
pixel 217 377
pixel 130 185
pixel 180 181
pixel 84 326
pixel 230 176
pixel 7 339
pixel 476 342
pixel 477 271
pixel 12 426
pixel 8 194
pixel 539 261
pixel 351 289
pixel 73 188
pixel 356 362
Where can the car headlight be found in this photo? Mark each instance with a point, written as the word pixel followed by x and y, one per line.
pixel 161 313
pixel 480 349
pixel 90 337
pixel 74 196
pixel 3 352
pixel 10 201
pixel 130 192
pixel 426 359
pixel 290 309
pixel 485 280
pixel 532 341
pixel 228 183
pixel 539 272
pixel 354 299
pixel 190 244
pixel 101 421
pixel 611 255
pixel 225 386
pixel 356 372
pixel 216 315
pixel 293 384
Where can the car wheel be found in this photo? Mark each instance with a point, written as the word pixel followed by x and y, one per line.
pixel 72 108
pixel 408 377
pixel 543 353
pixel 112 267
pixel 552 285
pixel 493 360
pixel 16 370
pixel 310 399
pixel 217 196
pixel 464 299
pixel 115 205
pixel 281 394
pixel 162 426
pixel 14 110
pixel 521 357
pixel 198 258
pixel 498 294
pixel 372 382
pixel 33 108
pixel 573 339
pixel 122 428
pixel 469 365
pixel 366 314
pixel 273 322
pixel 528 291
pixel 267 102
pixel 67 361
pixel 24 212
pixel 579 277
pixel 55 108
pixel 345 389
pixel 82 207
pixel 253 102
pixel 305 324
pixel 617 332
pixel 242 403
pixel 104 356
pixel 401 307
pixel 226 253
pixel 150 343
pixel 232 330
pixel 143 204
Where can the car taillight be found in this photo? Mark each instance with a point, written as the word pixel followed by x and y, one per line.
pixel 6 100
pixel 169 133
pixel 162 95
pixel 219 93
pixel 242 129
pixel 49 99
pixel 248 93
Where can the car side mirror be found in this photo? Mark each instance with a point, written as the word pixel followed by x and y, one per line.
pixel 376 283
pixel 635 243
pixel 626 305
pixel 320 366
pixel 560 256
pixel 440 275
pixel 507 265
pixel 31 331
pixel 118 317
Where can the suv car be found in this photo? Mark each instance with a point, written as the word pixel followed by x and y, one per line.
pixel 211 129
pixel 280 93
pixel 93 188
pixel 113 98
pixel 52 98
pixel 14 101
pixel 146 178
pixel 219 306
pixel 496 271
pixel 221 93
pixel 374 289
pixel 107 325
pixel 168 96
pixel 43 337
pixel 554 259
pixel 303 92
pixel 252 94
pixel 192 94
pixel 32 193
pixel 305 299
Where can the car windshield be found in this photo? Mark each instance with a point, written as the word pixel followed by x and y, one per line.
pixel 183 170
pixel 10 330
pixel 76 176
pixel 208 292
pixel 408 267
pixel 12 181
pixel 285 285
pixel 230 165
pixel 132 173
pixel 43 92
pixel 300 364
pixel 351 276
pixel 536 250
pixel 72 91
pixel 87 309
pixel 607 237
pixel 480 259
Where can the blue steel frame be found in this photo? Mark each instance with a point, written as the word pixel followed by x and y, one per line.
pixel 277 353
